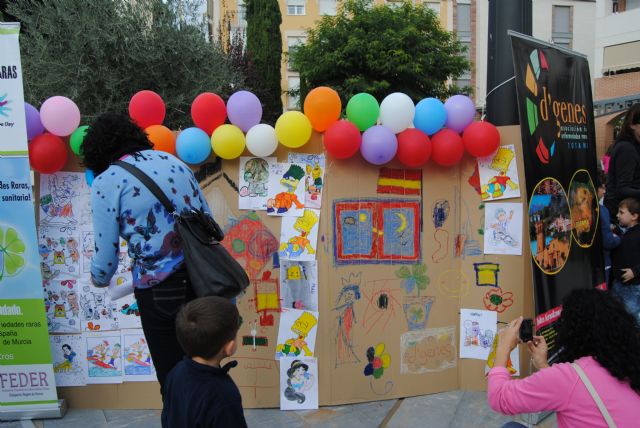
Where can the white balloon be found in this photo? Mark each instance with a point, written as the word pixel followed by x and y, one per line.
pixel 262 140
pixel 397 111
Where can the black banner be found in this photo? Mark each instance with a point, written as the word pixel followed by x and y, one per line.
pixel 558 139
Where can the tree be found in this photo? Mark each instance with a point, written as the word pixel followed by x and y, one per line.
pixel 100 53
pixel 380 50
pixel 264 53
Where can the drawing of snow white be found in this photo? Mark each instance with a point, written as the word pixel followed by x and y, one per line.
pixel 503 228
pixel 298 383
pixel 69 364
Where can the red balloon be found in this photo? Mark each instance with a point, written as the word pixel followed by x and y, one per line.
pixel 47 153
pixel 208 112
pixel 414 147
pixel 448 148
pixel 146 108
pixel 481 139
pixel 342 139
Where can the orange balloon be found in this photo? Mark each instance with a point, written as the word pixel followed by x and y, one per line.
pixel 322 106
pixel 162 138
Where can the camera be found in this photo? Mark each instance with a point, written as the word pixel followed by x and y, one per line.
pixel 526 330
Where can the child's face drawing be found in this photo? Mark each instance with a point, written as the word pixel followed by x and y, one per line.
pixel 298 373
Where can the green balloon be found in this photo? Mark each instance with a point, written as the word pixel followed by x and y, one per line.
pixel 363 111
pixel 76 139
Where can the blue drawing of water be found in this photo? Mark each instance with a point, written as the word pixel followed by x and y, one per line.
pixel 399 231
pixel 136 370
pixel 96 371
pixel 357 231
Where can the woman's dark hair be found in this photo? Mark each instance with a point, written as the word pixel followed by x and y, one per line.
pixel 594 323
pixel 631 118
pixel 295 365
pixel 110 137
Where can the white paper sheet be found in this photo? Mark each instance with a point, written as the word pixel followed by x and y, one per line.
pixel 138 366
pixel 477 330
pixel 499 174
pixel 298 383
pixel 104 357
pixel 314 177
pixel 253 183
pixel 68 352
pixel 299 284
pixel 299 236
pixel 503 228
pixel 286 189
pixel 297 333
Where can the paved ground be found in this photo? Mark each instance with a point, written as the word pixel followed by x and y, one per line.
pixel 454 409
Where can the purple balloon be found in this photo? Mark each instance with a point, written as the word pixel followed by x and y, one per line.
pixel 244 110
pixel 379 145
pixel 34 124
pixel 460 112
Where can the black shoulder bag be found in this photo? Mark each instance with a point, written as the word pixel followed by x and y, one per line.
pixel 212 270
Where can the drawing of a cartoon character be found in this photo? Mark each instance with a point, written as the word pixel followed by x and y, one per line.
pixel 285 200
pixel 67 364
pixel 299 381
pixel 498 184
pixel 256 174
pixel 472 333
pixel 296 245
pixel 294 347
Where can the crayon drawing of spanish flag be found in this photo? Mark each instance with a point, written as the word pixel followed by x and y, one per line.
pixel 400 181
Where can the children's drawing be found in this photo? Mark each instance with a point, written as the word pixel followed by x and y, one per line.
pixel 250 243
pixel 299 236
pixel 400 181
pixel 286 196
pixel 497 300
pixel 62 304
pixel 440 212
pixel 430 350
pixel 453 283
pixel 585 210
pixel 465 242
pixel 486 274
pixel 59 251
pixel 378 361
pixel 69 363
pixel 253 183
pixel 349 295
pixel 138 366
pixel 383 304
pixel 474 179
pixel 513 362
pixel 97 310
pixel 62 196
pixel 477 330
pixel 414 278
pixel 128 312
pixel 299 284
pixel 314 180
pixel 304 325
pixel 441 239
pixel 298 383
pixel 499 174
pixel 253 339
pixel 104 357
pixel 88 250
pixel 549 226
pixel 266 297
pixel 503 228
pixel 416 311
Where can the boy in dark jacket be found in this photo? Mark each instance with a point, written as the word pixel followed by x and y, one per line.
pixel 198 392
pixel 626 258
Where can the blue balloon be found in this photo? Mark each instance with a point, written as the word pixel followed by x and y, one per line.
pixel 193 146
pixel 430 116
pixel 89 176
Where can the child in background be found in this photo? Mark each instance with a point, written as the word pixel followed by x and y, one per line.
pixel 198 391
pixel 610 240
pixel 626 258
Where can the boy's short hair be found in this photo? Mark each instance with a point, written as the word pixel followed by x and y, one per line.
pixel 631 204
pixel 206 324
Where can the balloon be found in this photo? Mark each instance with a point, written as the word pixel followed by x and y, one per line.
pixel 146 108
pixel 322 106
pixel 397 111
pixel 262 140
pixel 47 153
pixel 430 116
pixel 60 116
pixel 244 110
pixel 208 112
pixel 414 147
pixel 363 110
pixel 448 148
pixel 342 140
pixel 34 124
pixel 481 139
pixel 379 145
pixel 193 145
pixel 293 129
pixel 460 112
pixel 89 176
pixel 228 141
pixel 162 138
pixel 77 138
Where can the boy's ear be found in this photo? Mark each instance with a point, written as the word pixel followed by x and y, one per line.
pixel 230 348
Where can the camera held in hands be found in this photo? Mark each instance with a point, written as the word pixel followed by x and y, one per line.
pixel 526 330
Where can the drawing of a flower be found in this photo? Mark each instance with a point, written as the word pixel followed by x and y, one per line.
pixel 498 300
pixel 414 278
pixel 378 361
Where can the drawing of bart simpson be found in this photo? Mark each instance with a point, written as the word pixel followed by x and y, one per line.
pixel 284 200
pixel 294 347
pixel 296 245
pixel 497 184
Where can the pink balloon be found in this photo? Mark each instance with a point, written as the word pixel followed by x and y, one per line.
pixel 60 116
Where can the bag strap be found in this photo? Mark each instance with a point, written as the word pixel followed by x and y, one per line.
pixel 149 183
pixel 594 395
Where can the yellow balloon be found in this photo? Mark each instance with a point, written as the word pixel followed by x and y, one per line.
pixel 228 141
pixel 293 129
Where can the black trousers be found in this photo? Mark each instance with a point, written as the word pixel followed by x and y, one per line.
pixel 158 307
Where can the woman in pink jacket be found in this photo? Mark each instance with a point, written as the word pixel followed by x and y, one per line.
pixel 599 336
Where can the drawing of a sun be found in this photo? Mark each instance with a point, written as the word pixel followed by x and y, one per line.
pixel 363 217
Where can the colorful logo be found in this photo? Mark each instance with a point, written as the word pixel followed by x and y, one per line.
pixel 537 62
pixel 12 250
pixel 4 105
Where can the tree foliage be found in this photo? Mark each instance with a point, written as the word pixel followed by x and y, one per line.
pixel 380 50
pixel 99 53
pixel 264 54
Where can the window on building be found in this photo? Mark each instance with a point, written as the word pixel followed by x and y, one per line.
pixel 295 7
pixel 293 101
pixel 293 42
pixel 434 6
pixel 561 28
pixel 242 13
pixel 393 4
pixel 463 31
pixel 327 7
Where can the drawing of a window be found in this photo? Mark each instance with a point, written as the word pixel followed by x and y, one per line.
pixel 377 231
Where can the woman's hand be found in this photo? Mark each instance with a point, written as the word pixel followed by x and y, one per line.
pixel 507 340
pixel 627 275
pixel 538 350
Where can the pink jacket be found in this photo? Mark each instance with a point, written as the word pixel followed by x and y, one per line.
pixel 558 388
